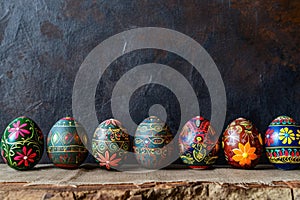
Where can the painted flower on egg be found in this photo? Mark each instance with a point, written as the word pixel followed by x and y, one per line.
pixel 107 161
pixel 18 130
pixel 268 137
pixel 198 139
pixel 286 135
pixel 26 157
pixel 244 154
pixel 233 135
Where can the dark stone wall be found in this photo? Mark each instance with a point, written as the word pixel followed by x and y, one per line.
pixel 255 44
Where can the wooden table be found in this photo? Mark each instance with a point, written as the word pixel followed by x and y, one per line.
pixel 175 182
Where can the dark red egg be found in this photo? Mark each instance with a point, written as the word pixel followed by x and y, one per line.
pixel 242 144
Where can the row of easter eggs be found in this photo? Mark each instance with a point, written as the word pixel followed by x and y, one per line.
pixel 22 143
pixel 242 143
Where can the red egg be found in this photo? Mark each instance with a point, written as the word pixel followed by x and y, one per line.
pixel 242 144
pixel 198 143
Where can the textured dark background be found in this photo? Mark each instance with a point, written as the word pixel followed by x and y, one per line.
pixel 255 44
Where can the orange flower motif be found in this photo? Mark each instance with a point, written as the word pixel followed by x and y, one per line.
pixel 244 154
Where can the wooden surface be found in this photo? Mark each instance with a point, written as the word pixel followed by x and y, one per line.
pixel 88 182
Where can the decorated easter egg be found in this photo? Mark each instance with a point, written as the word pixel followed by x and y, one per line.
pixel 64 145
pixel 22 144
pixel 242 144
pixel 198 143
pixel 110 144
pixel 282 142
pixel 152 146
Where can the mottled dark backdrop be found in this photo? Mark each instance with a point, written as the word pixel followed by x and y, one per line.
pixel 255 45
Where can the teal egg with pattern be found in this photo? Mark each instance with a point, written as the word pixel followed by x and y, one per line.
pixel 22 144
pixel 152 143
pixel 66 143
pixel 110 144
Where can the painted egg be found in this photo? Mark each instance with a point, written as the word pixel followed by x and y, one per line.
pixel 110 144
pixel 22 144
pixel 151 143
pixel 242 144
pixel 198 143
pixel 64 145
pixel 282 142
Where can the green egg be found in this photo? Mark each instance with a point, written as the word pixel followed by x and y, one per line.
pixel 22 144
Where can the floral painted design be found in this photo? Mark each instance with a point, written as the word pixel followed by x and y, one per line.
pixel 198 138
pixel 18 129
pixel 298 136
pixel 233 136
pixel 244 154
pixel 112 122
pixel 268 138
pixel 25 158
pixel 248 135
pixel 108 161
pixel 286 135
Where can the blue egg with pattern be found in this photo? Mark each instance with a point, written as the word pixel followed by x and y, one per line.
pixel 282 142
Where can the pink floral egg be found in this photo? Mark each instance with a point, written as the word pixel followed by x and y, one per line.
pixel 22 144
